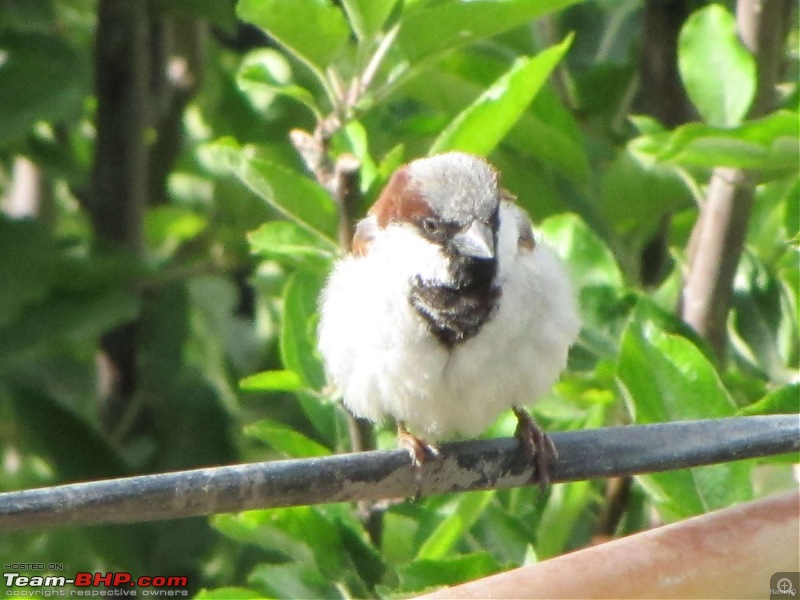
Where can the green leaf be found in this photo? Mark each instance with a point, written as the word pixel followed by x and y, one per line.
pixel 622 201
pixel 166 227
pixel 282 240
pixel 503 534
pixel 229 593
pixel 785 400
pixel 308 535
pixel 589 260
pixel 68 317
pixel 448 532
pixel 296 197
pixel 482 125
pixel 427 573
pixel 548 132
pixel 272 381
pixel 769 144
pixel 298 328
pixel 717 70
pixel 314 30
pixel 265 73
pixel 28 264
pixel 69 445
pixel 388 165
pixel 791 213
pixel 42 78
pixel 666 378
pixel 429 28
pixel 398 545
pixel 353 139
pixel 565 507
pixel 368 16
pixel 763 325
pixel 646 125
pixel 368 564
pixel 326 417
pixel 285 439
pixel 292 580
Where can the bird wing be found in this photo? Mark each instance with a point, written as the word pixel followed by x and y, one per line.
pixel 365 233
pixel 525 241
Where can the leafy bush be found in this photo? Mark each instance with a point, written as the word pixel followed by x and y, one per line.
pixel 215 297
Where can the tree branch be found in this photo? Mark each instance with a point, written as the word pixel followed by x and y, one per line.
pixel 122 80
pixel 471 465
pixel 717 239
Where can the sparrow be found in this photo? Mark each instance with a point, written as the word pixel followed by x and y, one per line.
pixel 448 310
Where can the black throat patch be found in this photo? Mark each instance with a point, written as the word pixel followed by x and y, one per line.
pixel 455 313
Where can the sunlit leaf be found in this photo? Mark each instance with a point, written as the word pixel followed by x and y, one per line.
pixel 565 507
pixel 295 196
pixel 429 28
pixel 368 16
pixel 285 439
pixel 272 381
pixel 481 126
pixel 637 192
pixel 667 378
pixel 314 30
pixel 589 260
pixel 446 535
pixel 166 227
pixel 717 70
pixel 764 327
pixel 283 240
pixel 428 573
pixel 770 144
pixel 298 332
pixel 265 73
pixel 785 400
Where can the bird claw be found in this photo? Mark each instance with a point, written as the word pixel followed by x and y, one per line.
pixel 420 451
pixel 536 445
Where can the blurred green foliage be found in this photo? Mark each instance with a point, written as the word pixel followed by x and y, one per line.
pixel 224 295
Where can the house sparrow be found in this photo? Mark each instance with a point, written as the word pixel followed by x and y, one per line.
pixel 448 311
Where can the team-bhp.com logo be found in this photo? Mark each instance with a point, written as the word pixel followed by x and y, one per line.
pixel 94 584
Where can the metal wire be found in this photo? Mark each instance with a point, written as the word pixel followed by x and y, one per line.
pixel 472 465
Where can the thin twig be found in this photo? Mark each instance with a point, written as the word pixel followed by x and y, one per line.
pixel 374 64
pixel 472 465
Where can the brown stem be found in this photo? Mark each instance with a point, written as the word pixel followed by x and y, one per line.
pixel 119 178
pixel 122 77
pixel 719 240
pixel 618 494
pixel 341 179
pixel 718 237
pixel 661 95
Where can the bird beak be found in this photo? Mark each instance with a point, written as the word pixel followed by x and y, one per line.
pixel 476 241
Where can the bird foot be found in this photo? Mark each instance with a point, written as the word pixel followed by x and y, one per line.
pixel 420 451
pixel 536 445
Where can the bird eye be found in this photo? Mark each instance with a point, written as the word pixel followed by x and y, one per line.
pixel 430 225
